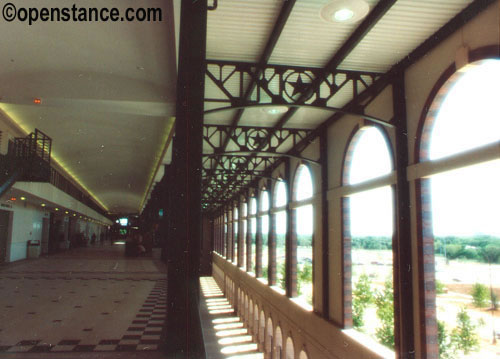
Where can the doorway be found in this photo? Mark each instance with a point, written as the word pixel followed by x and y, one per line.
pixel 4 234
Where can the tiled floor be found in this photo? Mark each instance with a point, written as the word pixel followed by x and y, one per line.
pixel 86 300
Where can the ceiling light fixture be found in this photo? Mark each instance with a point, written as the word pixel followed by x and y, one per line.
pixel 344 11
pixel 274 110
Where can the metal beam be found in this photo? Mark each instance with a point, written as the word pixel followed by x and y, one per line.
pixel 304 105
pixel 402 248
pixel 269 154
pixel 434 40
pixel 367 24
pixel 361 31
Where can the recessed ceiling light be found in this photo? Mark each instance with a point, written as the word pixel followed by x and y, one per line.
pixel 344 11
pixel 275 110
pixel 343 14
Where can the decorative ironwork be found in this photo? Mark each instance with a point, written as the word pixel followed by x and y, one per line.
pixel 278 84
pixel 247 138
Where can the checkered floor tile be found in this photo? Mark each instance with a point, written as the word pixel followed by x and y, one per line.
pixel 142 335
pixel 87 304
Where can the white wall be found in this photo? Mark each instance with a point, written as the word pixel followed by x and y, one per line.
pixel 26 225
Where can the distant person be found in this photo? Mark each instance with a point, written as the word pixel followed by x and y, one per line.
pixel 140 249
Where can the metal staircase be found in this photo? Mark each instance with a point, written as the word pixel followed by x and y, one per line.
pixel 27 159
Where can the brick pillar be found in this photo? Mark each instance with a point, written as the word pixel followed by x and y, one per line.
pixel 347 263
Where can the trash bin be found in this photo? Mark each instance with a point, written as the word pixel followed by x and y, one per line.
pixel 34 249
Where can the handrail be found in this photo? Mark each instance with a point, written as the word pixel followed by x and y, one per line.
pixel 34 152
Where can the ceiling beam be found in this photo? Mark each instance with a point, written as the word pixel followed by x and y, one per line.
pixel 420 51
pixel 361 31
pixel 268 50
pixel 430 43
pixel 354 39
pixel 285 12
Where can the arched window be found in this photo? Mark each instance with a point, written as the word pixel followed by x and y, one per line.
pixel 460 230
pixel 235 234
pixel 280 217
pixel 253 233
pixel 244 209
pixel 264 214
pixel 224 252
pixel 368 232
pixel 304 227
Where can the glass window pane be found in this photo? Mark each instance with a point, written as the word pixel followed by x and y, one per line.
pixel 474 97
pixel 281 224
pixel 371 158
pixel 372 265
pixel 304 218
pixel 281 197
pixel 303 186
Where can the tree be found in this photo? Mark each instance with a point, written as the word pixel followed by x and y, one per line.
pixel 384 301
pixel 282 279
pixel 362 296
pixel 464 337
pixel 304 275
pixel 480 295
pixel 444 341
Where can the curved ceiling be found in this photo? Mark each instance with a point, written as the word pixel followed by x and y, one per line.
pixel 108 93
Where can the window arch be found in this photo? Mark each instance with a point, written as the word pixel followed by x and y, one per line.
pixel 264 217
pixel 303 232
pixel 244 227
pixel 280 230
pixel 459 233
pixel 253 234
pixel 235 233
pixel 368 222
pixel 369 156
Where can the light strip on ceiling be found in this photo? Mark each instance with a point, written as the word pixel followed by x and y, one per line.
pixel 24 128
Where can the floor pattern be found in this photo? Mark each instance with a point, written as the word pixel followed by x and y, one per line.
pixel 122 309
